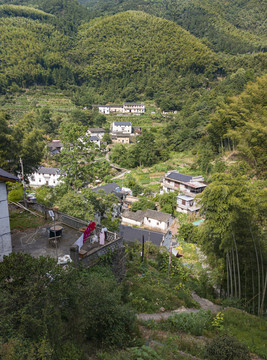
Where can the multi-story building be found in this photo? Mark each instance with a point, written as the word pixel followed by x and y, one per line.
pixel 135 108
pixel 188 185
pixel 45 176
pixel 122 127
pixel 187 204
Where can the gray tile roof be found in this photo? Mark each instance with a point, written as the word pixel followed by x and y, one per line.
pixel 174 175
pixel 96 130
pixel 157 215
pixel 47 170
pixel 123 123
pixel 152 214
pixel 6 176
pixel 185 197
pixel 94 138
pixel 131 234
pixel 55 144
pixel 136 216
pixel 133 103
pixel 109 188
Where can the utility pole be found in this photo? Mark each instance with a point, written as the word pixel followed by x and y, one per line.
pixel 143 247
pixel 23 182
pixel 170 259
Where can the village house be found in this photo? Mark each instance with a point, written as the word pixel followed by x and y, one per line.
pixel 55 146
pixel 116 108
pixel 111 188
pixel 150 219
pixel 189 185
pixel 157 220
pixel 133 218
pixel 45 176
pixel 103 109
pixel 115 189
pixel 132 234
pixel 127 107
pixel 5 235
pixel 129 200
pixel 134 108
pixel 124 127
pixel 95 140
pixel 187 204
pixel 99 132
pixel 121 138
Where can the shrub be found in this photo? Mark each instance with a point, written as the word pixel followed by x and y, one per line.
pixel 192 323
pixel 226 348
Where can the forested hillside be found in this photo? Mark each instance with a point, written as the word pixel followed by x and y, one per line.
pixel 31 53
pixel 233 27
pixel 134 41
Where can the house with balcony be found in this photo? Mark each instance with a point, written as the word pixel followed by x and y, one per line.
pixel 116 108
pixel 123 127
pixel 187 204
pixel 188 185
pixel 134 108
pixel 45 176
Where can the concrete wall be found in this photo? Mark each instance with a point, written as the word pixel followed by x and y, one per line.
pixel 117 256
pixel 5 236
pixel 155 224
pixel 127 129
pixel 131 221
pixel 37 179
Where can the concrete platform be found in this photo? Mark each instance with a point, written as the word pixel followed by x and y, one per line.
pixel 36 241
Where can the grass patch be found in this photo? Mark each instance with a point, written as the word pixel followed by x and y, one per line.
pixel 22 220
pixel 20 103
pixel 249 329
pixel 148 288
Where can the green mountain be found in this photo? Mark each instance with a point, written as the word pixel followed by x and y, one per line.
pixel 233 27
pixel 68 14
pixel 133 42
pixel 31 53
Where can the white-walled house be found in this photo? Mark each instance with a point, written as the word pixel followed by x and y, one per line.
pixel 133 218
pixel 99 132
pixel 157 220
pixel 121 127
pixel 151 219
pixel 45 176
pixel 5 235
pixel 95 140
pixel 189 185
pixel 103 109
pixel 187 204
pixel 135 108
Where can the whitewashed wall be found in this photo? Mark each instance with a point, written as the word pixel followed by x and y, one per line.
pixel 156 224
pixel 131 221
pixel 5 236
pixel 37 179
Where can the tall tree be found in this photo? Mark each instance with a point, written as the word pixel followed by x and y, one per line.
pixel 233 233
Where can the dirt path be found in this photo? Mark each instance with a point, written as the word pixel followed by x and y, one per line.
pixel 205 304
